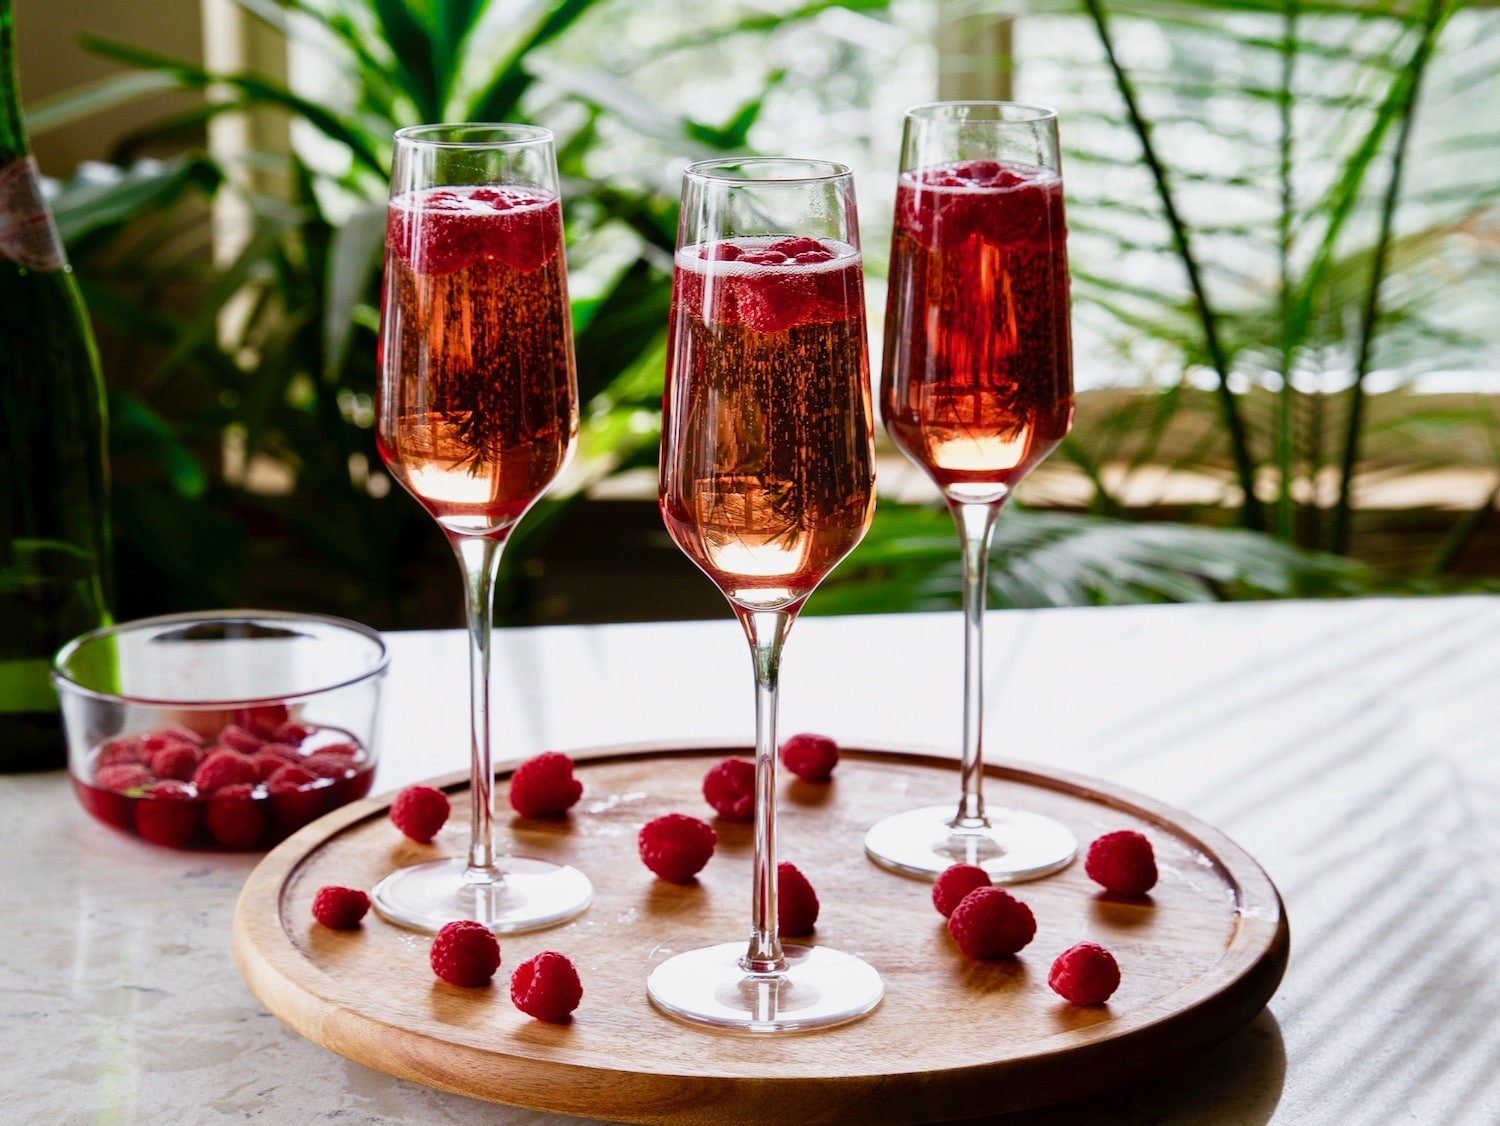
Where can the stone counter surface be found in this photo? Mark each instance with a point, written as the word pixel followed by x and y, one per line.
pixel 1352 747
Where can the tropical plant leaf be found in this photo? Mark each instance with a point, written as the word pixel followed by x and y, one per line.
pixel 91 202
pixel 251 86
pixel 910 561
pixel 83 102
pixel 498 99
pixel 353 259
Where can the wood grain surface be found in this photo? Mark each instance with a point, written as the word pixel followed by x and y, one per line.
pixel 953 1038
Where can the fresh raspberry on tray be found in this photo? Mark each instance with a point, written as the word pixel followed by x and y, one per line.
pixel 544 786
pixel 729 787
pixel 676 847
pixel 1085 974
pixel 991 923
pixel 1123 862
pixel 546 987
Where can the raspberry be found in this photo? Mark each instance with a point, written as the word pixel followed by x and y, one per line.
pixel 296 797
pixel 721 252
pixel 289 779
pixel 991 923
pixel 181 735
pixel 794 245
pixel 730 788
pixel 770 303
pixel 108 806
pixel 234 817
pixel 338 908
pixel 419 812
pixel 176 760
pixel 465 953
pixel 1123 862
pixel 676 847
pixel 546 987
pixel 810 757
pixel 224 768
pixel 1085 974
pixel 949 889
pixel 167 815
pixel 158 741
pixel 327 766
pixel 123 776
pixel 978 171
pixel 261 720
pixel 544 786
pixel 272 757
pixel 796 902
pixel 292 734
pixel 441 232
pixel 339 750
pixel 120 752
pixel 237 738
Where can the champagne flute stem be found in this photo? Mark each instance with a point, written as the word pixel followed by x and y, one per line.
pixel 767 630
pixel 479 557
pixel 976 528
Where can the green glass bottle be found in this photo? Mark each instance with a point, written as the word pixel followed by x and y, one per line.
pixel 54 519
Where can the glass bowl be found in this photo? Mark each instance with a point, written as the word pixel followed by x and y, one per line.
pixel 224 730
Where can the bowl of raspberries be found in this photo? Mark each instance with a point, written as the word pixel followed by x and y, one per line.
pixel 224 730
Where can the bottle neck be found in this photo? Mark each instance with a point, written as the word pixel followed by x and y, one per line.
pixel 13 144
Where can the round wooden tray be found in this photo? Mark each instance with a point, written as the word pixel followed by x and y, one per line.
pixel 953 1038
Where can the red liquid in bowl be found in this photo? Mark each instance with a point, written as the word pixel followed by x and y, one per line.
pixel 247 816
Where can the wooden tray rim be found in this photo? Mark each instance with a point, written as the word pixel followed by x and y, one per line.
pixel 1253 967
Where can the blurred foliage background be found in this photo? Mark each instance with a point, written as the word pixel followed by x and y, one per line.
pixel 1283 221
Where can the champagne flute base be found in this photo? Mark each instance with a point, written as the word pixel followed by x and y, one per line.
pixel 529 895
pixel 818 988
pixel 1015 846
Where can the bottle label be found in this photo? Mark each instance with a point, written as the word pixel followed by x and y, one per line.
pixel 28 234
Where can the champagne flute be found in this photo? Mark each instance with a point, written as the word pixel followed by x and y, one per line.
pixel 477 413
pixel 767 481
pixel 976 389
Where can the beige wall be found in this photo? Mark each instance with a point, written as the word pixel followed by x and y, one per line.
pixel 51 61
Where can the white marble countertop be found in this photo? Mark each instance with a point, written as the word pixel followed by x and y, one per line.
pixel 1353 748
